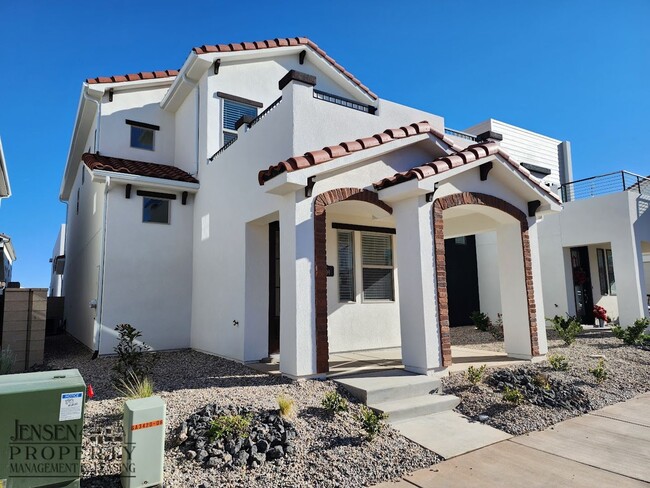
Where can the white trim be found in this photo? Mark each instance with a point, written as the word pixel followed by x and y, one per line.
pixel 100 175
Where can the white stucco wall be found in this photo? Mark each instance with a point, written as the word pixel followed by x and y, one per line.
pixel 487 261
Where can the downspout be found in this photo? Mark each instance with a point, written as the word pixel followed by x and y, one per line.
pixel 99 119
pixel 198 126
pixel 100 293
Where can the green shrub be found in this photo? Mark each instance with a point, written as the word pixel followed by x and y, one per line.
pixel 136 387
pixel 558 362
pixel 134 357
pixel 230 427
pixel 7 359
pixel 542 381
pixel 475 375
pixel 371 421
pixel 599 371
pixel 496 329
pixel 513 395
pixel 634 334
pixel 287 406
pixel 334 403
pixel 567 328
pixel 480 320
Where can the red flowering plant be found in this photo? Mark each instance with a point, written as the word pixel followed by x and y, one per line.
pixel 600 312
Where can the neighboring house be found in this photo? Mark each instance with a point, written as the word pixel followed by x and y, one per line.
pixel 7 253
pixel 216 208
pixel 58 264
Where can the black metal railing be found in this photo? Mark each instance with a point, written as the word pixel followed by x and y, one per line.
pixel 223 148
pixel 266 111
pixel 344 102
pixel 604 184
pixel 462 135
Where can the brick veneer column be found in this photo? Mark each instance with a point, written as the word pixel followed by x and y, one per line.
pixel 470 198
pixel 320 256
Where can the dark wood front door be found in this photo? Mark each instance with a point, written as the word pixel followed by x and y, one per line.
pixel 462 279
pixel 582 285
pixel 274 288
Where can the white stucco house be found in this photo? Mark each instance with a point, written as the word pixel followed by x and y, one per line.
pixel 7 252
pixel 262 200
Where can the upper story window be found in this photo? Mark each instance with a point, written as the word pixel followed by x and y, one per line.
pixel 233 109
pixel 155 206
pixel 142 135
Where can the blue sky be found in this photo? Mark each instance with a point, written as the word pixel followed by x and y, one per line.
pixel 573 70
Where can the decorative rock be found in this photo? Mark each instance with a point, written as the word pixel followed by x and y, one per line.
pixel 275 453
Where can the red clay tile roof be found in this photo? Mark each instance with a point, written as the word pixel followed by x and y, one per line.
pixel 326 154
pixel 140 168
pixel 282 42
pixel 143 75
pixel 468 155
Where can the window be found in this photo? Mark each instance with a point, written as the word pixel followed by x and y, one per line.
pixel 606 272
pixel 377 263
pixel 142 135
pixel 346 265
pixel 78 193
pixel 232 112
pixel 155 210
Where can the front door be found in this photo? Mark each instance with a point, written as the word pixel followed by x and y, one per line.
pixel 582 285
pixel 274 288
pixel 462 279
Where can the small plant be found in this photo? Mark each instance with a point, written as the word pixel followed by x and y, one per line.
pixel 135 387
pixel 634 334
pixel 7 359
pixel 599 371
pixel 496 329
pixel 475 375
pixel 567 328
pixel 513 395
pixel 480 320
pixel 334 403
pixel 371 421
pixel 542 380
pixel 600 313
pixel 230 427
pixel 133 356
pixel 558 362
pixel 287 406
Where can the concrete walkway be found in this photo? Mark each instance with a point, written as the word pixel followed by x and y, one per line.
pixel 608 447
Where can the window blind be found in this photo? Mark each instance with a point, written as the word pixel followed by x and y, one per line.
pixel 233 111
pixel 376 250
pixel 377 262
pixel 346 266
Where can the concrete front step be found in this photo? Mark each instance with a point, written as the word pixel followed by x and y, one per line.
pixel 417 406
pixel 384 386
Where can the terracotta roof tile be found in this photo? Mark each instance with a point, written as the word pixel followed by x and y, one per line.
pixel 288 41
pixel 140 168
pixel 145 75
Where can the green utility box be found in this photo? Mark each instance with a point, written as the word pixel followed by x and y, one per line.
pixel 41 419
pixel 143 450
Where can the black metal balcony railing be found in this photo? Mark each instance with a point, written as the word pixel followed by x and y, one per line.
pixel 604 184
pixel 344 102
pixel 462 135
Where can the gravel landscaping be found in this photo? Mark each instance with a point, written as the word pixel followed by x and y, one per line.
pixel 628 369
pixel 325 452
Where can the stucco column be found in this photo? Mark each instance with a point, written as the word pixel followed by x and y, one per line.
pixel 514 301
pixel 417 289
pixel 628 263
pixel 536 265
pixel 297 324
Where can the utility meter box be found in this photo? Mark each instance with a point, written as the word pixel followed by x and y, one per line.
pixel 41 422
pixel 143 451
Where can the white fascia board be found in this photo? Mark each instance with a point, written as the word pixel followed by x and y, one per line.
pixel 148 181
pixel 5 187
pixel 287 182
pixel 189 75
pixel 8 247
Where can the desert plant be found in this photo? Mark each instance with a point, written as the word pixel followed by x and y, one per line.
pixel 567 328
pixel 558 362
pixel 7 359
pixel 135 387
pixel 334 403
pixel 542 381
pixel 634 334
pixel 230 427
pixel 371 421
pixel 286 405
pixel 133 356
pixel 475 375
pixel 513 395
pixel 480 320
pixel 599 371
pixel 496 329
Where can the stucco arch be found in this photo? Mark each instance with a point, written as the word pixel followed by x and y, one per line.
pixel 320 257
pixel 471 198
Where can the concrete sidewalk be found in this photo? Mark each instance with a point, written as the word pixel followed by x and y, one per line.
pixel 608 447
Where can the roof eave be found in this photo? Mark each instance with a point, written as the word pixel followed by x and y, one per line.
pixel 99 175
